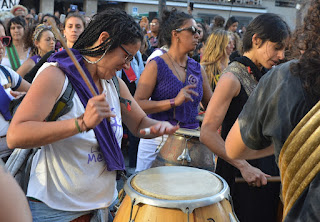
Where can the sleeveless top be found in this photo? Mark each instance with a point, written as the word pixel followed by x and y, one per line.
pixel 35 58
pixel 71 174
pixel 6 61
pixel 168 86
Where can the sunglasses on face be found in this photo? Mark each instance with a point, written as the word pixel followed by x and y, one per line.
pixel 129 56
pixel 5 40
pixel 191 29
pixel 153 23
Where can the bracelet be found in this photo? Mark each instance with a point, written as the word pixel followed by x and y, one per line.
pixel 172 103
pixel 83 123
pixel 77 125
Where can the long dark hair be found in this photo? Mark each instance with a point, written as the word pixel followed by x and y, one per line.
pixel 268 27
pixel 306 42
pixel 121 27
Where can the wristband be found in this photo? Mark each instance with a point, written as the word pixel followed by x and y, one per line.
pixel 77 125
pixel 172 103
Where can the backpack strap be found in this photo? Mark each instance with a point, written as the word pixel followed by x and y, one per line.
pixel 126 102
pixel 63 105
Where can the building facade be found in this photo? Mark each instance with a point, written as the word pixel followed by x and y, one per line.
pixel 205 10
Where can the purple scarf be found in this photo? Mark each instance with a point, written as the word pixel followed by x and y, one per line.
pixel 104 134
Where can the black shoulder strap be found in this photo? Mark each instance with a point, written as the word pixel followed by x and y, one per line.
pixel 63 105
pixel 126 102
pixel 31 74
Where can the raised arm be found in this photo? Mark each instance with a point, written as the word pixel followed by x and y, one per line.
pixel 227 88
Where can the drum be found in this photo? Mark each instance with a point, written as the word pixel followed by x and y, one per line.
pixel 176 194
pixel 184 149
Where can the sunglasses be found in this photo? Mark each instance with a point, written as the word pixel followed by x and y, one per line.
pixel 5 40
pixel 191 29
pixel 153 23
pixel 129 56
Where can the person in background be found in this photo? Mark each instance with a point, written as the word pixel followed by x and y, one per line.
pixel 144 25
pixel 34 13
pixel 197 53
pixel 57 14
pixel 154 28
pixel 11 85
pixel 16 52
pixel 19 10
pixel 43 41
pixel 74 173
pixel 30 21
pixel 13 204
pixel 45 18
pixel 73 27
pixel 264 45
pixel 172 85
pixel 237 50
pixel 216 55
pixel 218 23
pixel 232 24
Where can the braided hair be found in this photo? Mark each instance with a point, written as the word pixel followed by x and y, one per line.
pixel 121 27
pixel 171 20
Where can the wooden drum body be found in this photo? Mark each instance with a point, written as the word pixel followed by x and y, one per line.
pixel 184 149
pixel 176 194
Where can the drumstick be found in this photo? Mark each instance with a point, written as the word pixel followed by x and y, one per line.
pixel 71 55
pixel 269 179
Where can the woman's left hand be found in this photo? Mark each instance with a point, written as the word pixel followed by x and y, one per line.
pixel 17 94
pixel 159 129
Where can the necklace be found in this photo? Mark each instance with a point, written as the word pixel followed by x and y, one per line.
pixel 171 60
pixel 184 67
pixel 94 62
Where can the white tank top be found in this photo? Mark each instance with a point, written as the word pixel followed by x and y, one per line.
pixel 71 174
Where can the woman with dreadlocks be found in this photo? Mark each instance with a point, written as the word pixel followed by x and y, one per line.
pixel 74 172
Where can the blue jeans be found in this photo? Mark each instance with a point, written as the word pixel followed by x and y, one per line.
pixel 42 213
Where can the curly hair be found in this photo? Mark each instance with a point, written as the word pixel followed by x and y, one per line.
pixel 306 42
pixel 121 27
pixel 171 20
pixel 214 53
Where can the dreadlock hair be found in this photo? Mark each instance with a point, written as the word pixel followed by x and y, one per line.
pixel 306 47
pixel 172 20
pixel 121 27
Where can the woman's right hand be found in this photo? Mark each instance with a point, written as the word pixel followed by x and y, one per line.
pixel 97 109
pixel 185 95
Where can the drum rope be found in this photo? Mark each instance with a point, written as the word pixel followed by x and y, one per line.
pixel 188 213
pixel 130 218
pixel 160 145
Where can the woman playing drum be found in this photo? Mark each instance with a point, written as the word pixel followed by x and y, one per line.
pixel 175 82
pixel 263 45
pixel 75 170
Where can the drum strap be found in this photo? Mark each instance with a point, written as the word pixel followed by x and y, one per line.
pixel 299 158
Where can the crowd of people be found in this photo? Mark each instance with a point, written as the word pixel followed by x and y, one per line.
pixel 145 81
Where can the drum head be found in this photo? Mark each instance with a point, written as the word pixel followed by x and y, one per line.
pixel 177 183
pixel 188 132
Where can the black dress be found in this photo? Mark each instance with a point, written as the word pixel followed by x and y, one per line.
pixel 250 203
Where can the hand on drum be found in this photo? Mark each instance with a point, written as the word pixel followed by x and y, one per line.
pixel 185 95
pixel 254 176
pixel 159 129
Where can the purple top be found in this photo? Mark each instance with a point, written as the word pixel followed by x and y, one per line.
pixel 168 87
pixel 35 58
pixel 106 139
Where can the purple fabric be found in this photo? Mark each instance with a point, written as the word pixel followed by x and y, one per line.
pixel 168 87
pixel 35 58
pixel 4 104
pixel 104 134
